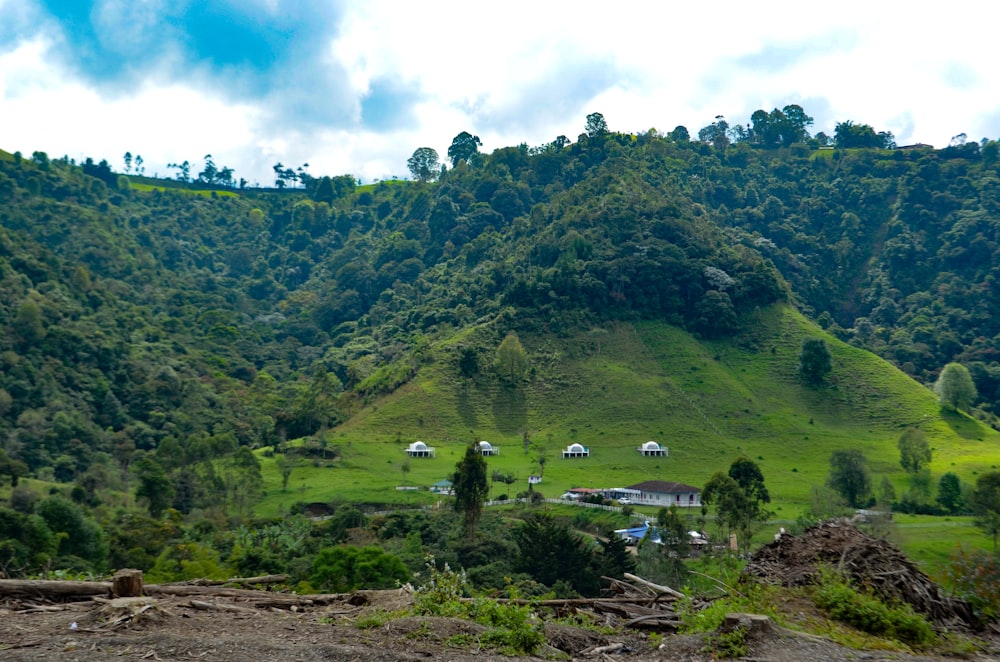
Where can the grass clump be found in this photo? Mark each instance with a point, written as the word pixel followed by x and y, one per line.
pixel 728 645
pixel 869 614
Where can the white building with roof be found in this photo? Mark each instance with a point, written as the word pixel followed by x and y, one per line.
pixel 486 449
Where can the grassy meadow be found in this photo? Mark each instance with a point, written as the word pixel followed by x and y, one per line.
pixel 615 387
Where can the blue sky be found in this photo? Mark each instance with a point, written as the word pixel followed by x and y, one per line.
pixel 355 87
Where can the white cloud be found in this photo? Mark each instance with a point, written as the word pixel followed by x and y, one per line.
pixel 522 72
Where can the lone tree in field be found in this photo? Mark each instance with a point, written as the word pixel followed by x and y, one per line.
pixel 814 361
pixel 470 482
pixel 914 451
pixel 986 505
pixel 955 388
pixel 850 478
pixel 511 361
pixel 739 497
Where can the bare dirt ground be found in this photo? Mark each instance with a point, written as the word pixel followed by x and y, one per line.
pixel 258 626
pixel 171 628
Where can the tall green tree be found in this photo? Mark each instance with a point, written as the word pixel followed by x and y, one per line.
pixel 511 360
pixel 471 486
pixel 155 486
pixel 850 477
pixel 597 126
pixel 463 148
pixel 914 450
pixel 955 387
pixel 986 504
pixel 950 493
pixel 551 552
pixel 814 361
pixel 424 164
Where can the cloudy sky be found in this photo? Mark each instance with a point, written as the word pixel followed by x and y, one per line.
pixel 355 87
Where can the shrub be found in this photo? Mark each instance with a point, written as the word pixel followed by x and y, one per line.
pixel 975 576
pixel 869 614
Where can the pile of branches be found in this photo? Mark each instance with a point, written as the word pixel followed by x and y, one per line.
pixel 868 562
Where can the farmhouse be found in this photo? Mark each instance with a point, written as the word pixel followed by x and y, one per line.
pixel 652 449
pixel 576 450
pixel 665 493
pixel 486 449
pixel 419 449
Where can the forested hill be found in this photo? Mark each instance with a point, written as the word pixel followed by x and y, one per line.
pixel 202 323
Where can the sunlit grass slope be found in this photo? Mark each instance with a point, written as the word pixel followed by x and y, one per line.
pixel 615 387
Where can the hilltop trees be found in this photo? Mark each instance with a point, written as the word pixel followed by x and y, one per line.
pixel 463 148
pixel 955 387
pixel 424 164
pixel 986 505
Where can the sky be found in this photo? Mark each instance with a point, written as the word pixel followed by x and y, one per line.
pixel 356 87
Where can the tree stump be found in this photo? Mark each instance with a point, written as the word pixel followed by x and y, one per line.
pixel 752 624
pixel 127 583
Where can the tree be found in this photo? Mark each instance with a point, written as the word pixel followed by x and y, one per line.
pixel 986 504
pixel 848 134
pixel 950 493
pixel 345 569
pixel 748 476
pixel 463 147
pixel 424 164
pixel 470 485
pixel 914 451
pixel 511 361
pixel 739 497
pixel 814 361
pixel 551 552
pixel 154 485
pixel 955 387
pixel 680 134
pixel 596 126
pixel 849 476
pixel 716 133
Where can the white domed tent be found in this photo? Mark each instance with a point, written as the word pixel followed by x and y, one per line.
pixel 486 448
pixel 419 449
pixel 652 449
pixel 576 450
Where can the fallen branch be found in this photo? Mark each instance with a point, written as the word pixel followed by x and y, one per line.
pixel 263 579
pixel 655 587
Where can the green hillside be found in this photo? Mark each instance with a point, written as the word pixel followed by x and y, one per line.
pixel 612 388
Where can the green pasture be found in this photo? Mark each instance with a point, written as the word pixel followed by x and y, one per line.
pixel 208 193
pixel 613 388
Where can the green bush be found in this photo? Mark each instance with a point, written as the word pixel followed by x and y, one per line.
pixel 343 569
pixel 869 614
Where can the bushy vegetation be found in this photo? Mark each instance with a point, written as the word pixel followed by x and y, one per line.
pixel 869 614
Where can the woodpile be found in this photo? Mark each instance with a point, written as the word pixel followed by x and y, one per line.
pixel 867 562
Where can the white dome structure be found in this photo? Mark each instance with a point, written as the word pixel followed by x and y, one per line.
pixel 419 446
pixel 486 448
pixel 419 449
pixel 652 449
pixel 576 450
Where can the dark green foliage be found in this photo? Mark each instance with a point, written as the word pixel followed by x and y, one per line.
pixel 345 569
pixel 850 477
pixel 26 543
pixel 550 552
pixel 950 495
pixel 471 487
pixel 78 535
pixel 814 361
pixel 463 148
pixel 738 497
pixel 985 504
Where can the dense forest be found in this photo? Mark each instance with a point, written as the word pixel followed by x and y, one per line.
pixel 155 333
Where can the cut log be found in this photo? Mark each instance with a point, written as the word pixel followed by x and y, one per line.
pixel 127 583
pixel 53 589
pixel 263 579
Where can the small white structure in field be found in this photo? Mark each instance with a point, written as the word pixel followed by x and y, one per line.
pixel 419 449
pixel 576 450
pixel 486 449
pixel 652 449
